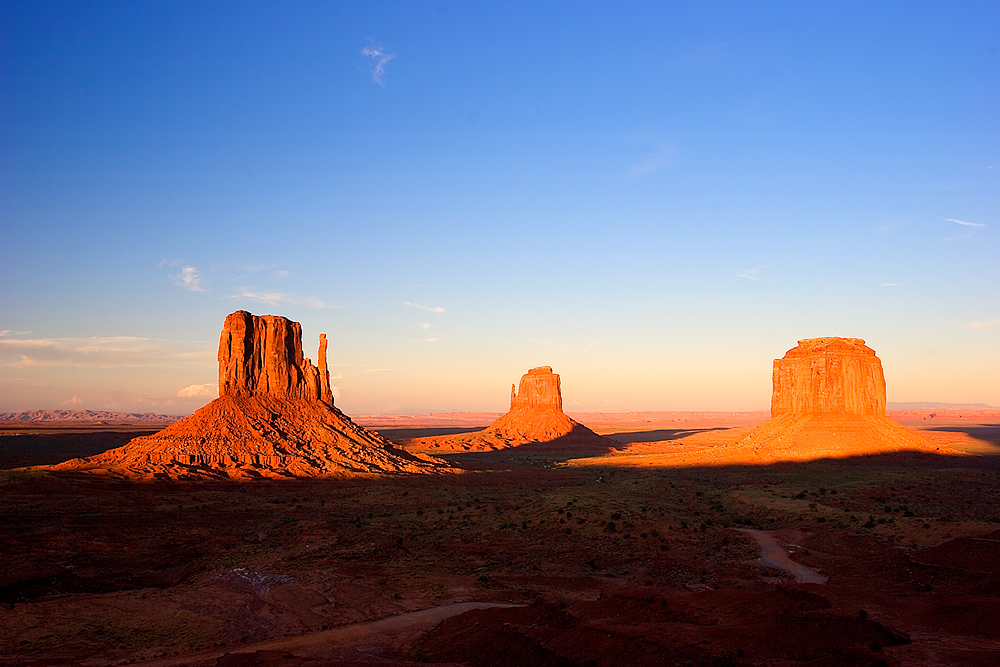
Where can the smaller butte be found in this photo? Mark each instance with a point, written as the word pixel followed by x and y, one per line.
pixel 274 418
pixel 535 418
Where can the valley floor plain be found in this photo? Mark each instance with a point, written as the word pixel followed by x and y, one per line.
pixel 527 558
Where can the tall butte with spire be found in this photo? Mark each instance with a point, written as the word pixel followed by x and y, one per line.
pixel 828 400
pixel 535 418
pixel 274 417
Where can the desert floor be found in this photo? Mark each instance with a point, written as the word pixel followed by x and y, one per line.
pixel 525 559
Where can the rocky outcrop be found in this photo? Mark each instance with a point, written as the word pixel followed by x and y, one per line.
pixel 828 401
pixel 262 356
pixel 535 419
pixel 829 376
pixel 540 389
pixel 274 418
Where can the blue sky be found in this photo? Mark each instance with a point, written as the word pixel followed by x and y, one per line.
pixel 657 199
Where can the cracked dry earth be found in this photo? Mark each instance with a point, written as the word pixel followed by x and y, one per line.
pixel 603 565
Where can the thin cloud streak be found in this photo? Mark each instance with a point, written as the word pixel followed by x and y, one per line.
pixel 275 298
pixel 891 285
pixel 103 352
pixel 430 309
pixel 964 223
pixel 379 59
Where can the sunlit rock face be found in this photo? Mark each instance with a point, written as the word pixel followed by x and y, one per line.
pixel 274 418
pixel 829 376
pixel 540 389
pixel 536 419
pixel 828 401
pixel 262 356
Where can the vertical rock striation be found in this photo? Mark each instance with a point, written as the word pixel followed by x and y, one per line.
pixel 540 389
pixel 262 356
pixel 829 375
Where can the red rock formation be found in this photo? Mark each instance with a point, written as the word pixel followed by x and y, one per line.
pixel 535 418
pixel 262 356
pixel 540 389
pixel 274 418
pixel 829 375
pixel 828 400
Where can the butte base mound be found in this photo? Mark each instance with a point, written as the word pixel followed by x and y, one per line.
pixel 274 418
pixel 535 420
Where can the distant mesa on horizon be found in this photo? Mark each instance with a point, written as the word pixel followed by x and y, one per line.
pixel 535 418
pixel 88 417
pixel 274 418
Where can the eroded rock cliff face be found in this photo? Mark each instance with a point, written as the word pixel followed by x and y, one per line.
pixel 262 356
pixel 274 418
pixel 540 389
pixel 828 400
pixel 829 375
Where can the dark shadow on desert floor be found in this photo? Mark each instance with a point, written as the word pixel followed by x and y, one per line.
pixel 985 432
pixel 22 447
pixel 660 435
pixel 619 566
pixel 399 434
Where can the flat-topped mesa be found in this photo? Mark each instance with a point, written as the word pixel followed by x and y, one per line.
pixel 540 390
pixel 829 376
pixel 262 356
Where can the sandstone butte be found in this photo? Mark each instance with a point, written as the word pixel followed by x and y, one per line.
pixel 536 418
pixel 827 401
pixel 274 417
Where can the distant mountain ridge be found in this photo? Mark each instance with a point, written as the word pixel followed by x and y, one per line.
pixel 89 416
pixel 932 405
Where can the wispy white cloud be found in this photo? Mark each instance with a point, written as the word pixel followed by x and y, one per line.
pixel 430 309
pixel 979 326
pixel 76 400
pixel 103 352
pixel 890 284
pixel 190 278
pixel 379 58
pixel 964 223
pixel 275 298
pixel 425 325
pixel 207 389
pixel 750 274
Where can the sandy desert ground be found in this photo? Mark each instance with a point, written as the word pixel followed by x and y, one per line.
pixel 528 558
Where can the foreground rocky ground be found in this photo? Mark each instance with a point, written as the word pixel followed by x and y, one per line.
pixel 524 559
